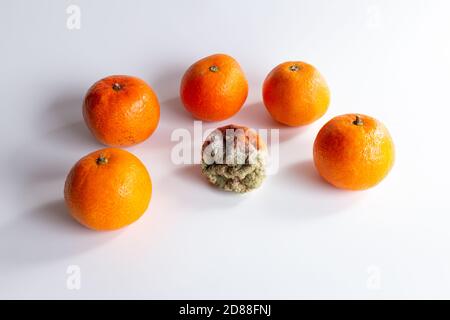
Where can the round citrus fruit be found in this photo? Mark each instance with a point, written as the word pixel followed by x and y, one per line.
pixel 295 93
pixel 234 158
pixel 121 110
pixel 353 152
pixel 214 88
pixel 108 189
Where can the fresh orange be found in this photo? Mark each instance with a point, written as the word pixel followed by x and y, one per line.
pixel 214 88
pixel 108 189
pixel 353 152
pixel 295 93
pixel 121 110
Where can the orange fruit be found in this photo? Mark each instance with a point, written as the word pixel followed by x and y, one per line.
pixel 108 189
pixel 295 93
pixel 214 88
pixel 353 152
pixel 121 110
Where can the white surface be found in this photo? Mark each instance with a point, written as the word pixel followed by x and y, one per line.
pixel 296 237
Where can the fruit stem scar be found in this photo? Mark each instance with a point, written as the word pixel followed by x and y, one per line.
pixel 116 86
pixel 294 68
pixel 101 160
pixel 358 121
pixel 214 68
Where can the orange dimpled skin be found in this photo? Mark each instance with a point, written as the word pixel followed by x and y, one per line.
pixel 214 88
pixel 121 110
pixel 353 152
pixel 108 189
pixel 295 93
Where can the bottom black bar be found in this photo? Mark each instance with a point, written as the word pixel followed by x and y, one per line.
pixel 223 309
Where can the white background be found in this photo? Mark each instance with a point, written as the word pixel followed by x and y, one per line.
pixel 295 237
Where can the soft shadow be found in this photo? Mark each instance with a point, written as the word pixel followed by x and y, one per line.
pixel 74 134
pixel 193 173
pixel 252 115
pixel 255 115
pixel 45 233
pixel 167 86
pixel 38 173
pixel 199 194
pixel 314 197
pixel 174 112
pixel 65 108
pixel 307 173
pixel 168 83
pixel 66 112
